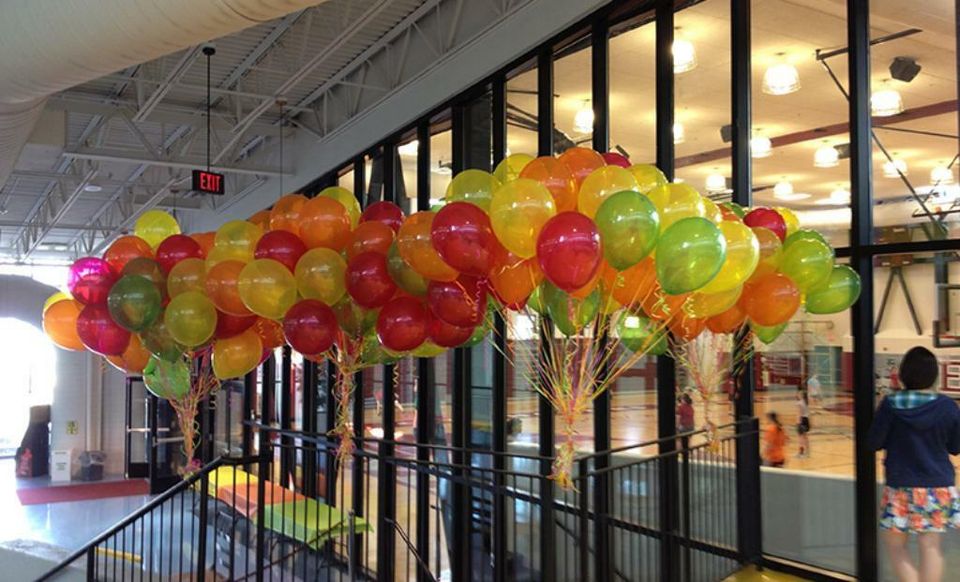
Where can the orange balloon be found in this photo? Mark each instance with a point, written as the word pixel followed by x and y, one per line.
pixel 632 285
pixel 370 236
pixel 727 322
pixel 416 248
pixel 222 289
pixel 205 240
pixel 661 306
pixel 771 249
pixel 134 359
pixel 60 324
pixel 262 219
pixel 770 300
pixel 125 249
pixel 324 222
pixel 582 162
pixel 514 279
pixel 285 214
pixel 687 327
pixel 556 177
pixel 270 332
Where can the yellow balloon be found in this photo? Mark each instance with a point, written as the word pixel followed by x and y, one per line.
pixel 601 184
pixel 790 218
pixel 236 240
pixel 771 250
pixel 187 275
pixel 154 226
pixel 220 254
pixel 56 297
pixel 711 211
pixel 510 167
pixel 320 275
pixel 743 254
pixel 676 201
pixel 191 318
pixel 267 288
pixel 349 201
pixel 647 176
pixel 235 356
pixel 518 211
pixel 703 304
pixel 473 186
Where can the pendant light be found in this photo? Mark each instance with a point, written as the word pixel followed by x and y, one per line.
pixel 783 189
pixel 583 119
pixel 941 176
pixel 781 78
pixel 684 56
pixel 893 168
pixel 826 156
pixel 886 103
pixel 760 147
pixel 716 183
pixel 679 134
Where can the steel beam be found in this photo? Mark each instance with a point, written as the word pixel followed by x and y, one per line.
pixel 123 156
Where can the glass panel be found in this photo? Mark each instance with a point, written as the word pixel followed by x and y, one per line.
pixel 913 101
pixel 572 107
pixel 345 180
pixel 407 174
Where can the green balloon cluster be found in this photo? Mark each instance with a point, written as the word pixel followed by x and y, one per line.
pixel 160 343
pixel 569 314
pixel 639 334
pixel 134 303
pixel 405 277
pixel 807 261
pixel 839 292
pixel 767 334
pixel 689 255
pixel 629 225
pixel 168 380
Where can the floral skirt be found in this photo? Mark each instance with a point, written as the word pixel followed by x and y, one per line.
pixel 920 509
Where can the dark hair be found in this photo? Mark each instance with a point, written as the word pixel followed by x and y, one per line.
pixel 772 417
pixel 919 369
pixel 687 399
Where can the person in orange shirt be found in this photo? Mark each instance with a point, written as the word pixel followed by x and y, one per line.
pixel 774 442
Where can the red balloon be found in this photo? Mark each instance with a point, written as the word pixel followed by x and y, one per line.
pixel 447 336
pixel 385 212
pixel 462 235
pixel 616 159
pixel 368 281
pixel 282 246
pixel 99 333
pixel 568 249
pixel 767 218
pixel 229 325
pixel 176 248
pixel 90 280
pixel 462 303
pixel 310 327
pixel 402 324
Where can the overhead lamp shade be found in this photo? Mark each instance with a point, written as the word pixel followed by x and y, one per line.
pixel 760 147
pixel 716 183
pixel 941 176
pixel 781 79
pixel 839 197
pixel 890 168
pixel 409 148
pixel 783 189
pixel 679 134
pixel 583 120
pixel 886 103
pixel 826 157
pixel 684 56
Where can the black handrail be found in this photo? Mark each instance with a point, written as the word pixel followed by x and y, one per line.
pixel 146 509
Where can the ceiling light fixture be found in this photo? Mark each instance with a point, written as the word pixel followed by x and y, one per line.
pixel 893 168
pixel 941 176
pixel 684 56
pixel 583 120
pixel 92 188
pixel 409 148
pixel 826 156
pixel 886 103
pixel 783 189
pixel 760 147
pixel 679 134
pixel 781 79
pixel 716 183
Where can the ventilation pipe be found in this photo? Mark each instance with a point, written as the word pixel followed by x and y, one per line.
pixel 52 45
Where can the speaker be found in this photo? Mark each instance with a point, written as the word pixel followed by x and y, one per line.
pixel 904 69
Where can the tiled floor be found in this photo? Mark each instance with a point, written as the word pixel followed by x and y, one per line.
pixel 754 575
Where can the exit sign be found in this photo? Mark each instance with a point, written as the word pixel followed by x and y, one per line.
pixel 207 182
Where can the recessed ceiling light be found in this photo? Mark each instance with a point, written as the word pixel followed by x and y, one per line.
pixel 760 147
pixel 893 169
pixel 781 79
pixel 886 103
pixel 92 188
pixel 826 156
pixel 684 56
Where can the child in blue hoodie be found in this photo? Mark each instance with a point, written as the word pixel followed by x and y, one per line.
pixel 919 430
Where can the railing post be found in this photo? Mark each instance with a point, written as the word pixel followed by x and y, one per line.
pixel 201 564
pixel 685 504
pixel 351 547
pixel 263 474
pixel 749 521
pixel 584 541
pixel 92 564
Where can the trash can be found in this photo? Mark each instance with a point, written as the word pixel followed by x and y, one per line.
pixel 91 465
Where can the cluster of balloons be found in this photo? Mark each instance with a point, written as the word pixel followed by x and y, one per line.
pixel 570 236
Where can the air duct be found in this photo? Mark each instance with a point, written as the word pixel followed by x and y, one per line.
pixel 52 45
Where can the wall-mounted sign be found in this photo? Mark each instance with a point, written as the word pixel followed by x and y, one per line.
pixel 207 182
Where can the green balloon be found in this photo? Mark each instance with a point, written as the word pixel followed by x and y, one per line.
pixel 569 314
pixel 166 379
pixel 134 303
pixel 734 208
pixel 481 332
pixel 160 343
pixel 401 273
pixel 804 234
pixel 767 334
pixel 427 350
pixel 535 301
pixel 629 224
pixel 808 262
pixel 639 334
pixel 689 255
pixel 371 352
pixel 839 292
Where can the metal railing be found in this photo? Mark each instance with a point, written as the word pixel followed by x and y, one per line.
pixel 643 512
